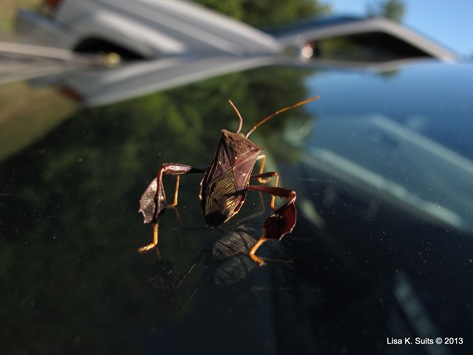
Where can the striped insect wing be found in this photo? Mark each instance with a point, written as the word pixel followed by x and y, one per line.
pixel 224 187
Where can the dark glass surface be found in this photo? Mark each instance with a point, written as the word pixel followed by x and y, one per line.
pixel 382 167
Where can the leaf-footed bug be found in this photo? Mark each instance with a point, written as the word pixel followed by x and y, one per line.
pixel 225 184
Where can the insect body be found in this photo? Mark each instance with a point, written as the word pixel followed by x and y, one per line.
pixel 224 186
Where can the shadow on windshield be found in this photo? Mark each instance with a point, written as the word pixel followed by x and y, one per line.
pixel 221 263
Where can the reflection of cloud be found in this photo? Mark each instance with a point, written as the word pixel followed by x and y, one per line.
pixel 380 157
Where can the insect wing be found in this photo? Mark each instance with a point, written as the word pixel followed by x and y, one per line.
pixel 220 200
pixel 234 152
pixel 223 188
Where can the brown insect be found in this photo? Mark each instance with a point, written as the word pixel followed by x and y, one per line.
pixel 225 184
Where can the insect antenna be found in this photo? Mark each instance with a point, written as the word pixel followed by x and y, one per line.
pixel 277 113
pixel 239 116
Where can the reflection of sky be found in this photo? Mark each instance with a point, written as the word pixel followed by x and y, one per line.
pixel 433 99
pixel 407 136
pixel 424 16
pixel 376 154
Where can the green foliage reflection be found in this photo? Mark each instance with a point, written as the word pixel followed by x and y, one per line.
pixel 69 226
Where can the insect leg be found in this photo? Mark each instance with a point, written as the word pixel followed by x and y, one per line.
pixel 153 201
pixel 154 242
pixel 176 192
pixel 260 178
pixel 280 222
pixel 268 174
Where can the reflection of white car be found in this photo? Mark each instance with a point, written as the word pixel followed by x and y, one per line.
pixel 141 28
pixel 163 28
pixel 183 42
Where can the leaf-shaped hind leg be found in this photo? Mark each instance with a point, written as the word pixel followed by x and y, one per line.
pixel 280 222
pixel 153 201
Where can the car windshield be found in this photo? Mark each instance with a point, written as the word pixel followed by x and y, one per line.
pixel 382 249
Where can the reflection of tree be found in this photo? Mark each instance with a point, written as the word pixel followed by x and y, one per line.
pixel 267 12
pixel 68 219
pixel 392 9
pixel 71 279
